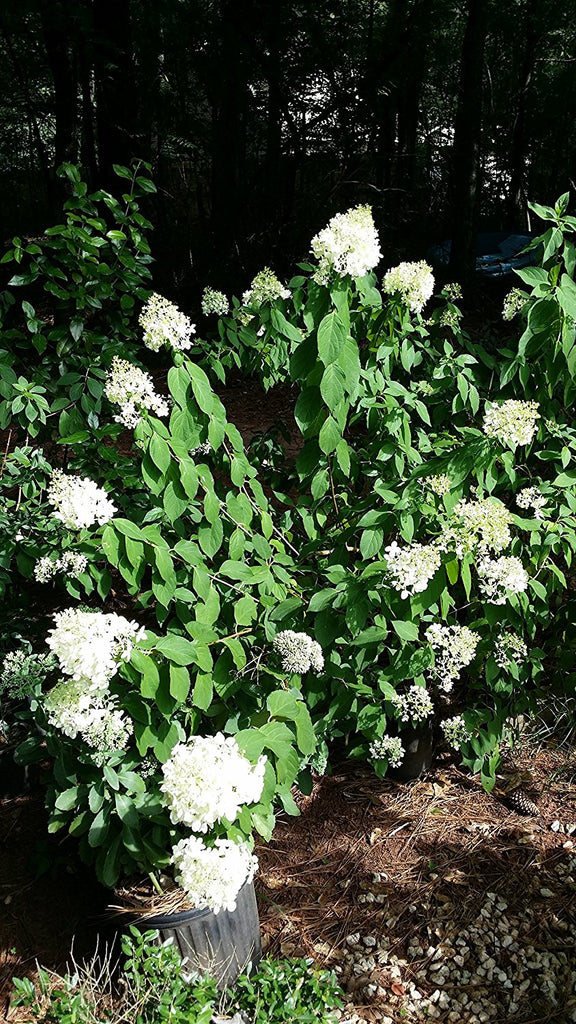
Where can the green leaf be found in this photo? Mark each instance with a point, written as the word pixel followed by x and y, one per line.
pixel 203 691
pixel 179 682
pixel 532 275
pixel 68 799
pixel 370 543
pixel 159 453
pixel 332 385
pixel 332 335
pixel 330 435
pixel 148 669
pixel 99 828
pixel 177 649
pixel 126 810
pixel 406 630
pixel 245 611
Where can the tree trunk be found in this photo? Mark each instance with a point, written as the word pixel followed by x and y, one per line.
pixel 114 87
pixel 466 147
pixel 228 146
pixel 517 191
pixel 57 22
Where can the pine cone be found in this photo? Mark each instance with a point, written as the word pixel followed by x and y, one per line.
pixel 521 802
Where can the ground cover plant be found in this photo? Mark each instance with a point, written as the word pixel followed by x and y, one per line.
pixel 411 567
pixel 147 987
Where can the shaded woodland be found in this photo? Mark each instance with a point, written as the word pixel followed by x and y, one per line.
pixel 263 118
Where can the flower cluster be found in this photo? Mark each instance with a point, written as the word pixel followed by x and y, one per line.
pixel 93 718
pixel 213 875
pixel 413 281
pixel 531 498
pixel 477 526
pixel 22 670
pixel 411 568
pixel 500 577
pixel 439 484
pixel 90 644
pixel 450 317
pixel 452 291
pixel 298 652
pixel 512 422
pixel 454 647
pixel 389 748
pixel 78 502
pixel 208 779
pixel 456 732
pixel 72 563
pixel 265 288
pixel 214 302
pixel 514 303
pixel 509 649
pixel 133 390
pixel 414 706
pixel 164 324
pixel 348 245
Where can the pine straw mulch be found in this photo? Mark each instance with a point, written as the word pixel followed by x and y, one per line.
pixel 438 840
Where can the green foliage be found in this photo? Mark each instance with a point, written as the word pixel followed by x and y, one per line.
pixel 281 991
pixel 404 499
pixel 82 280
pixel 152 989
pixel 152 974
pixel 85 277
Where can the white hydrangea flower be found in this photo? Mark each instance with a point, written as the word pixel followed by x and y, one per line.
pixel 512 422
pixel 78 501
pixel 455 731
pixel 452 291
pixel 389 748
pixel 214 302
pixel 208 779
pixel 22 670
pixel 414 706
pixel 212 876
pixel 440 484
pixel 299 653
pixel 76 712
pixel 514 303
pixel 265 288
pixel 454 647
pixel 348 245
pixel 133 390
pixel 411 568
pixel 164 324
pixel 531 498
pixel 73 563
pixel 44 569
pixel 414 282
pixel 89 645
pixel 477 526
pixel 500 577
pixel 450 318
pixel 509 648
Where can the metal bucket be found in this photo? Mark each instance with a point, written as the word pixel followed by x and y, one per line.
pixel 221 945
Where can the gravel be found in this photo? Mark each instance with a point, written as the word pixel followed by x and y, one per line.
pixel 496 962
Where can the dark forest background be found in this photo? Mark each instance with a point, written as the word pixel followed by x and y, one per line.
pixel 263 118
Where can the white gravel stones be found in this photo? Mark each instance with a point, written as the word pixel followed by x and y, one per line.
pixel 475 970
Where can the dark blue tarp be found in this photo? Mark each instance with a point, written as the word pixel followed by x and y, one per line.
pixel 498 253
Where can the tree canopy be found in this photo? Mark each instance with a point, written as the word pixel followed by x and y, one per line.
pixel 262 118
